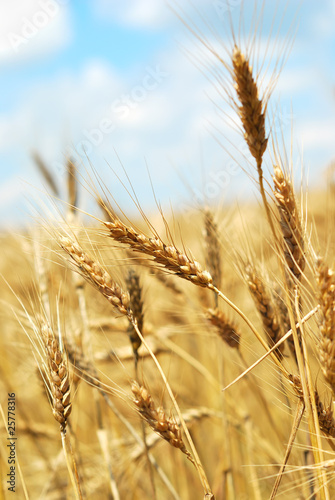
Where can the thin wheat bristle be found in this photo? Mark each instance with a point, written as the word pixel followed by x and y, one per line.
pixel 156 417
pixel 326 283
pixel 225 328
pixel 252 109
pixel 58 377
pixel 290 223
pixel 265 306
pixel 97 276
pixel 135 294
pixel 168 256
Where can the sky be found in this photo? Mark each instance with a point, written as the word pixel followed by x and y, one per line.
pixel 124 87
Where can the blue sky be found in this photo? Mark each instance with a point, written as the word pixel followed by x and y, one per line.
pixel 110 78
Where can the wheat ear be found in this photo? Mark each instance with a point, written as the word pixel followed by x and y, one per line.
pixel 252 108
pixel 213 253
pixel 166 255
pixel 284 317
pixel 252 111
pixel 58 377
pixel 290 223
pixel 97 276
pixel 135 294
pixel 225 328
pixel 326 284
pixel 72 186
pixel 326 417
pixel 156 417
pixel 265 306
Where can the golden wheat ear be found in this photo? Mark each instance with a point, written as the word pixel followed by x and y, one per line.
pixel 97 276
pixel 326 417
pixel 252 108
pixel 226 329
pixel 266 307
pixel 290 223
pixel 213 248
pixel 135 296
pixel 58 376
pixel 326 286
pixel 72 185
pixel 157 419
pixel 168 256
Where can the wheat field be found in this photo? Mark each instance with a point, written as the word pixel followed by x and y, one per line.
pixel 175 356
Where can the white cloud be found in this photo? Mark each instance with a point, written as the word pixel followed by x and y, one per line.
pixel 31 29
pixel 322 20
pixel 10 191
pixel 139 13
pixel 152 14
pixel 318 134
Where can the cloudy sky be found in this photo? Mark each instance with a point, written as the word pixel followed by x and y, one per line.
pixel 123 84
